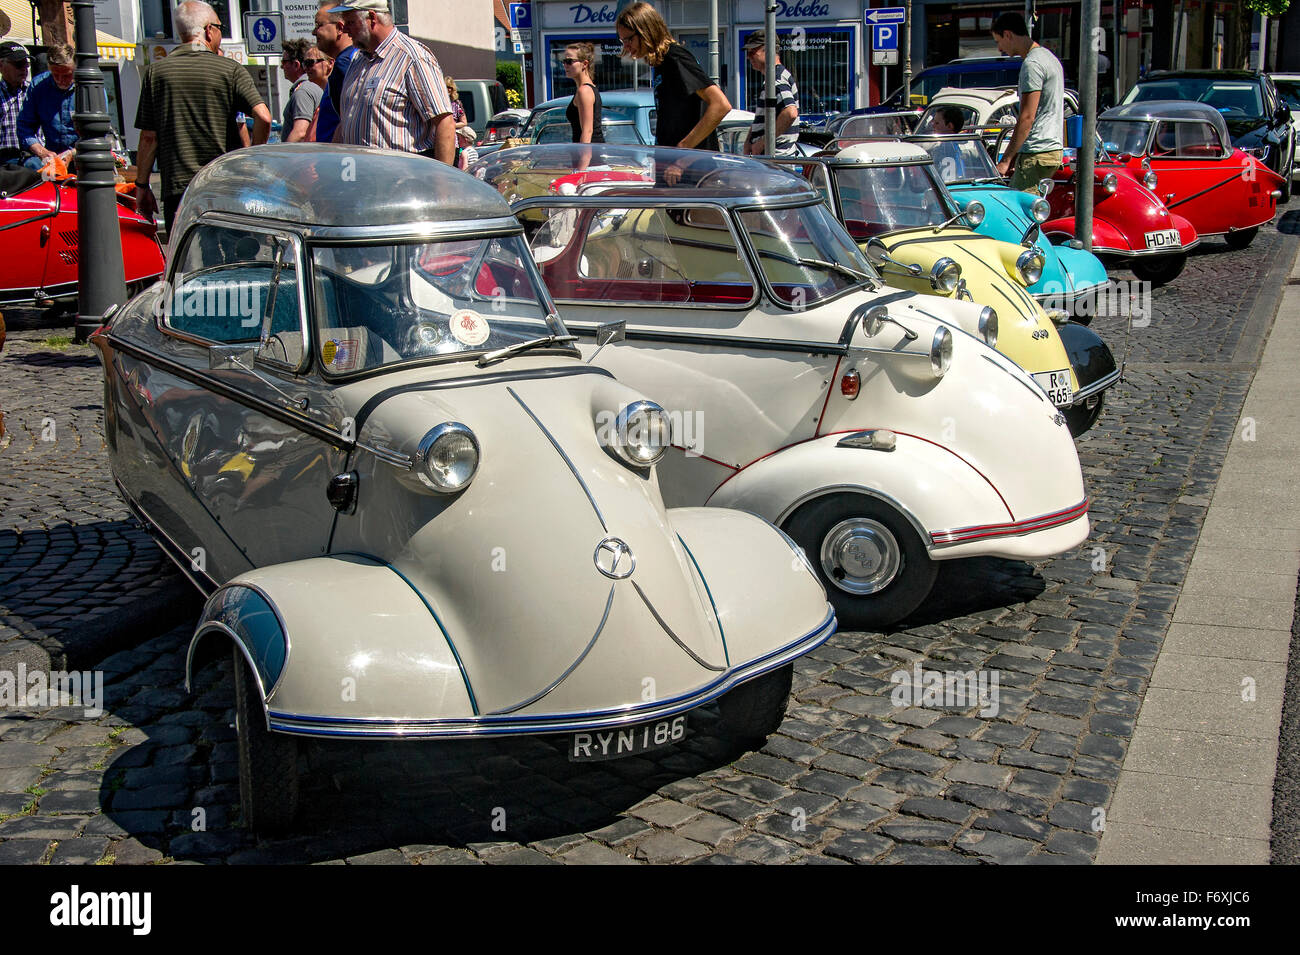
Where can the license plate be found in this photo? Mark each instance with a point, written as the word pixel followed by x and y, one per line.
pixel 628 741
pixel 1163 239
pixel 1057 386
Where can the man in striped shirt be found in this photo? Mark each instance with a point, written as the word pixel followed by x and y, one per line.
pixel 787 101
pixel 394 96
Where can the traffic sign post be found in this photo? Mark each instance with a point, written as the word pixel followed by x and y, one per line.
pixel 886 24
pixel 872 16
pixel 263 33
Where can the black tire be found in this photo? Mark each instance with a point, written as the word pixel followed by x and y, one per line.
pixel 753 711
pixel 1080 417
pixel 268 762
pixel 814 524
pixel 1160 270
pixel 1241 238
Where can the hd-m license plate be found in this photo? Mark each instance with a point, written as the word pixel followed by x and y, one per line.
pixel 1163 239
pixel 589 746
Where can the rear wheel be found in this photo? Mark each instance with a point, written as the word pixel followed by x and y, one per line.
pixel 1241 238
pixel 753 711
pixel 1161 269
pixel 1081 417
pixel 268 762
pixel 871 562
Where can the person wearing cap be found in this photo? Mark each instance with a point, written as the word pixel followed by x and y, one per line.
pixel 15 87
pixel 188 103
pixel 787 101
pixel 394 96
pixel 45 127
pixel 337 45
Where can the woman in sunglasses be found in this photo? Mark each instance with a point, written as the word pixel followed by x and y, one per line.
pixel 584 112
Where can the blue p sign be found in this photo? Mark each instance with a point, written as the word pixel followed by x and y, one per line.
pixel 884 36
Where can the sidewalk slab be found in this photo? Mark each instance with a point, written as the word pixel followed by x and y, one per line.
pixel 1211 714
pixel 1192 755
pixel 1189 805
pixel 1241 643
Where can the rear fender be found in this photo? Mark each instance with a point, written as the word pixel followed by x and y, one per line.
pixel 344 637
pixel 925 482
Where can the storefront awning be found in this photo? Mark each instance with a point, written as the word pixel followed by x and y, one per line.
pixel 20 17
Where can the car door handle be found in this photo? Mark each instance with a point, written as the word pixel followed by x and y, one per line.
pixel 45 234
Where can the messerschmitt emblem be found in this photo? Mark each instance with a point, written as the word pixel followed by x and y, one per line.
pixel 614 558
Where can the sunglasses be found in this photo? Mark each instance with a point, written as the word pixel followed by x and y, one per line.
pixel 217 25
pixel 309 63
pixel 569 61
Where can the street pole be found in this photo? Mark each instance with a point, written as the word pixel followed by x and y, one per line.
pixel 1090 37
pixel 99 245
pixel 713 43
pixel 769 107
pixel 907 54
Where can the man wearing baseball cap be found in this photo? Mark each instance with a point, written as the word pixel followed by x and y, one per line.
pixel 15 87
pixel 787 101
pixel 394 95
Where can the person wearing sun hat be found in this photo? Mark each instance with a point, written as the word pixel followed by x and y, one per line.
pixel 394 96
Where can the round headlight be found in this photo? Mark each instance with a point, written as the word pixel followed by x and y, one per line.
pixel 1110 182
pixel 642 434
pixel 1040 210
pixel 1030 266
pixel 944 275
pixel 447 458
pixel 941 351
pixel 988 326
pixel 974 213
pixel 1149 179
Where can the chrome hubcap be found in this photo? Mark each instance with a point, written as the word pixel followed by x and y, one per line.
pixel 861 556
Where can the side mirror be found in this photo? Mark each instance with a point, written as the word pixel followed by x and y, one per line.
pixel 1283 114
pixel 610 332
pixel 230 357
pixel 874 320
pixel 876 253
pixel 1044 187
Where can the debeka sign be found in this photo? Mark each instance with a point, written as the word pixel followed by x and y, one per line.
pixel 585 14
pixel 802 11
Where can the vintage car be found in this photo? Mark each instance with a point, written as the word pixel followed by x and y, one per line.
pixel 863 126
pixel 1011 215
pixel 1258 118
pixel 1184 154
pixel 39 219
pixel 858 418
pixel 982 108
pixel 354 420
pixel 890 197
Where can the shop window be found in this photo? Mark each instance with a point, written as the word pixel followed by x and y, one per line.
pixel 823 69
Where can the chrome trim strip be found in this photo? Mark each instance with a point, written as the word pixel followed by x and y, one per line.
pixel 1032 386
pixel 669 630
pixel 609 602
pixel 168 546
pixel 284 629
pixel 976 532
pixel 371 235
pixel 1101 384
pixel 560 451
pixel 396 458
pixel 727 341
pixel 717 617
pixel 304 725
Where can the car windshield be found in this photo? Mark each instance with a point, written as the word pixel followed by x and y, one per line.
pixel 1230 97
pixel 1124 136
pixel 947 118
pixel 879 199
pixel 959 160
pixel 805 254
pixel 378 305
pixel 877 126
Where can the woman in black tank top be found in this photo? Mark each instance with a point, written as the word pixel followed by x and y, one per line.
pixel 584 112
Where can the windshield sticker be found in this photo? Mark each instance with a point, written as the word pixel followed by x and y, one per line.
pixel 469 328
pixel 340 354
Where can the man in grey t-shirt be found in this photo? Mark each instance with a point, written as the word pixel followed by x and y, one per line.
pixel 304 96
pixel 1038 139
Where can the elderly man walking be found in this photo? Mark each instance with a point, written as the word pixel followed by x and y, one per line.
pixel 394 95
pixel 1039 137
pixel 188 103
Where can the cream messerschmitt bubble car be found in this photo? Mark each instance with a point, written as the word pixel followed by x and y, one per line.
pixel 352 417
pixel 859 418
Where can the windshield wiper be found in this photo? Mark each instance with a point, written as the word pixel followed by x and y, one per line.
pixel 823 264
pixel 519 347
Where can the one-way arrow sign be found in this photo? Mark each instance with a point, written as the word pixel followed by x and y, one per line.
pixel 874 15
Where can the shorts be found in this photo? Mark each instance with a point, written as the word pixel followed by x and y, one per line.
pixel 1032 168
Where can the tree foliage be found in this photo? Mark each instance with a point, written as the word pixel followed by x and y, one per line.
pixel 1268 8
pixel 510 75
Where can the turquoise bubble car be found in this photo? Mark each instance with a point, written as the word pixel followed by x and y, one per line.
pixel 1070 274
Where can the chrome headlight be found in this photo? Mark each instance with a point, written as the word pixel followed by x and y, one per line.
pixel 1040 210
pixel 1110 182
pixel 974 213
pixel 1150 179
pixel 642 434
pixel 944 275
pixel 988 326
pixel 941 351
pixel 1030 266
pixel 447 458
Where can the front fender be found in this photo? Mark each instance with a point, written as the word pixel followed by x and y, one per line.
pixel 928 484
pixel 1090 357
pixel 1105 237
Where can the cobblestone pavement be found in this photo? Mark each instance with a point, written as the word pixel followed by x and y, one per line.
pixel 849 778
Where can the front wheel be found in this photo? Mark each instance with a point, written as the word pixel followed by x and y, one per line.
pixel 753 711
pixel 268 762
pixel 1080 417
pixel 870 560
pixel 1241 238
pixel 1161 269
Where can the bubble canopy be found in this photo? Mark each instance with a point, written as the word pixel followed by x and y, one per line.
pixel 320 186
pixel 582 168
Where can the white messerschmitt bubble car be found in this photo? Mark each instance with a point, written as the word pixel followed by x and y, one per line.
pixel 858 418
pixel 354 420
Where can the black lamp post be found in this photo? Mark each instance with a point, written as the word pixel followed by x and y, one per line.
pixel 99 248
